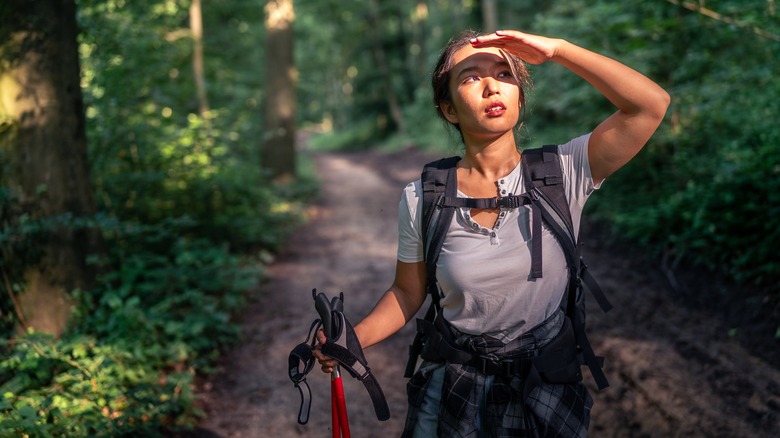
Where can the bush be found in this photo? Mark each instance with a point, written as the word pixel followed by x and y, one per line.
pixel 126 365
pixel 187 218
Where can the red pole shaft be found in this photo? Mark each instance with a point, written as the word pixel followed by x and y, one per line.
pixel 334 409
pixel 341 403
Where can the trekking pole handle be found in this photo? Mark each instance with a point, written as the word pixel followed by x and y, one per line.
pixel 324 309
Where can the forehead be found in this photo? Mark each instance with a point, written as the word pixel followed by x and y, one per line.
pixel 468 57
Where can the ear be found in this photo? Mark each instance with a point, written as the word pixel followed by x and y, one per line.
pixel 449 112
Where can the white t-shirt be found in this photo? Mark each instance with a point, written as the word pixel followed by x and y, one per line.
pixel 484 273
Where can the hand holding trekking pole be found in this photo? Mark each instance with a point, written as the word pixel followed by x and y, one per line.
pixel 335 345
pixel 327 363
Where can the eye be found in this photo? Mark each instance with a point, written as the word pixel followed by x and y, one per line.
pixel 505 74
pixel 472 78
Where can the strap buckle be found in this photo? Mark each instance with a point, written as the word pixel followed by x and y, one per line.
pixel 516 366
pixel 511 201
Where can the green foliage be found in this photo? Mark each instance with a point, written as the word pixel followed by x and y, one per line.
pixel 82 387
pixel 187 218
pixel 136 341
pixel 152 155
pixel 168 287
pixel 346 84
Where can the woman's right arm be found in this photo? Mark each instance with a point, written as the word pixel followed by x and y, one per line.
pixel 396 307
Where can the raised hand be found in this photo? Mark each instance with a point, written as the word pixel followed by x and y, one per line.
pixel 532 49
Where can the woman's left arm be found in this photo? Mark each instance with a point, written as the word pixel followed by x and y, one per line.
pixel 641 102
pixel 641 107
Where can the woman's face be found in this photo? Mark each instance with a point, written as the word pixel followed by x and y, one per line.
pixel 485 96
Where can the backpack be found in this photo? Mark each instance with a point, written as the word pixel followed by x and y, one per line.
pixel 545 194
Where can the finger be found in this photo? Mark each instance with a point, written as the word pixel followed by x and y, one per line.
pixel 486 40
pixel 321 338
pixel 327 364
pixel 510 33
pixel 498 44
pixel 499 37
pixel 323 359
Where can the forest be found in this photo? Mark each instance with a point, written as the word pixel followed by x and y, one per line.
pixel 153 160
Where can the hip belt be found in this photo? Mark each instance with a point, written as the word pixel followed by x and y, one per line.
pixel 556 361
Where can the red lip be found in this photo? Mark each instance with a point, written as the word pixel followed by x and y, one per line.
pixel 495 109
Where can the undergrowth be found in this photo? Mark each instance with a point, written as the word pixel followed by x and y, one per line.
pixel 126 365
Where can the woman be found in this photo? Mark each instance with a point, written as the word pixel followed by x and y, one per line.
pixel 487 299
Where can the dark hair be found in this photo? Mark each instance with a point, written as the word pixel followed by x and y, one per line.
pixel 440 80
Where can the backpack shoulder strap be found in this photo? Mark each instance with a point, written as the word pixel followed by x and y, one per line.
pixel 439 181
pixel 543 172
pixel 544 181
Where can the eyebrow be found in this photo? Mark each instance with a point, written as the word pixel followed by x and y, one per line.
pixel 478 66
pixel 470 69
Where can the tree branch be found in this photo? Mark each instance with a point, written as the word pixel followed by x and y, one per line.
pixel 722 18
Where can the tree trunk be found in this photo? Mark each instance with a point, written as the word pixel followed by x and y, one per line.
pixel 489 16
pixel 278 151
pixel 384 67
pixel 196 27
pixel 45 148
pixel 421 35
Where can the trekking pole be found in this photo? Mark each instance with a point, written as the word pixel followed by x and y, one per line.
pixel 339 420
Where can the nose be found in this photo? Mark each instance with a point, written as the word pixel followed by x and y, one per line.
pixel 491 86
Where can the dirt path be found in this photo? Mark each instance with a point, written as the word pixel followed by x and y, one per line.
pixel 673 372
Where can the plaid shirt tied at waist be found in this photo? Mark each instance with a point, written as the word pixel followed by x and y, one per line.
pixel 490 394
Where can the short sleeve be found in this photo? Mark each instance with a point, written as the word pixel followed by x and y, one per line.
pixel 410 247
pixel 578 180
